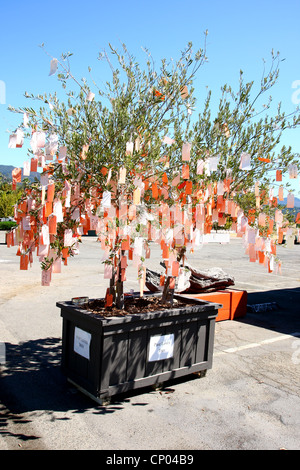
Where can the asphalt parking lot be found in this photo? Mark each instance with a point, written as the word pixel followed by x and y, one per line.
pixel 249 400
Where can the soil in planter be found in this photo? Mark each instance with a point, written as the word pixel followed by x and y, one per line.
pixel 131 306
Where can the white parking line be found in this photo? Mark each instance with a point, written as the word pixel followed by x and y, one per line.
pixel 255 345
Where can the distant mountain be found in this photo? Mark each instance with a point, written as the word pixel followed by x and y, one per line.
pixel 6 170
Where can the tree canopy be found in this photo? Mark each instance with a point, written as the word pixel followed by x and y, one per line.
pixel 133 162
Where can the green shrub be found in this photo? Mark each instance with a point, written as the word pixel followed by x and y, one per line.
pixel 7 224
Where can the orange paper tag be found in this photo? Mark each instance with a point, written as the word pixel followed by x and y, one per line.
pixel 165 178
pixel 48 209
pixel 33 164
pixel 264 160
pixel 185 172
pixel 175 268
pixel 52 225
pixel 154 190
pixel 50 192
pixel 108 299
pixel 280 193
pixel 125 245
pixel 24 262
pixel 188 187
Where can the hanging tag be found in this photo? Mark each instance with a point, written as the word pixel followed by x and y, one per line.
pixel 108 271
pixel 213 163
pixel 26 168
pixel 34 164
pixel 168 140
pixel 108 177
pixel 106 199
pixel 280 193
pixel 226 130
pixel 68 237
pixel 165 178
pixel 200 167
pixel 48 209
pixel 90 96
pixel 53 66
pixel 290 201
pixel 245 161
pixel 176 180
pixel 184 92
pixel 24 262
pixel 50 192
pixel 56 267
pixel 185 172
pixel 25 119
pixel 12 141
pixel 57 210
pixel 40 139
pixel 138 246
pixel 154 189
pixel 46 277
pixel 62 152
pixel 122 175
pixel 186 149
pixel 142 273
pixel 84 151
pixel 20 138
pixel 137 196
pixel 175 268
pixel 129 148
pixel 16 176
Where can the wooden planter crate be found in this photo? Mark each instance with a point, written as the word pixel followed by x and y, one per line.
pixel 234 302
pixel 109 356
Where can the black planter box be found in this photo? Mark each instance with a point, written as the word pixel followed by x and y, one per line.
pixel 108 356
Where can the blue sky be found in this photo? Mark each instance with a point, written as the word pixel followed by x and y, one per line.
pixel 240 36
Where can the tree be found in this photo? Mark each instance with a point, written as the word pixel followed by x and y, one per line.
pixel 8 198
pixel 132 162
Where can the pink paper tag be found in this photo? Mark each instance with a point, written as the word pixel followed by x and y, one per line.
pixel 46 277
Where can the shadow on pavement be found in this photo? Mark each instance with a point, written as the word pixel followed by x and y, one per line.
pixel 32 381
pixel 277 310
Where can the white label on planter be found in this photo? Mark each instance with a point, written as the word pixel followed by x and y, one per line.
pixel 161 347
pixel 82 341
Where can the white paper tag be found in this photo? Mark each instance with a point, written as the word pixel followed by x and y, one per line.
pixel 161 347
pixel 106 199
pixel 82 340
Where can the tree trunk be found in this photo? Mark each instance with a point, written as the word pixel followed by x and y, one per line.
pixel 119 290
